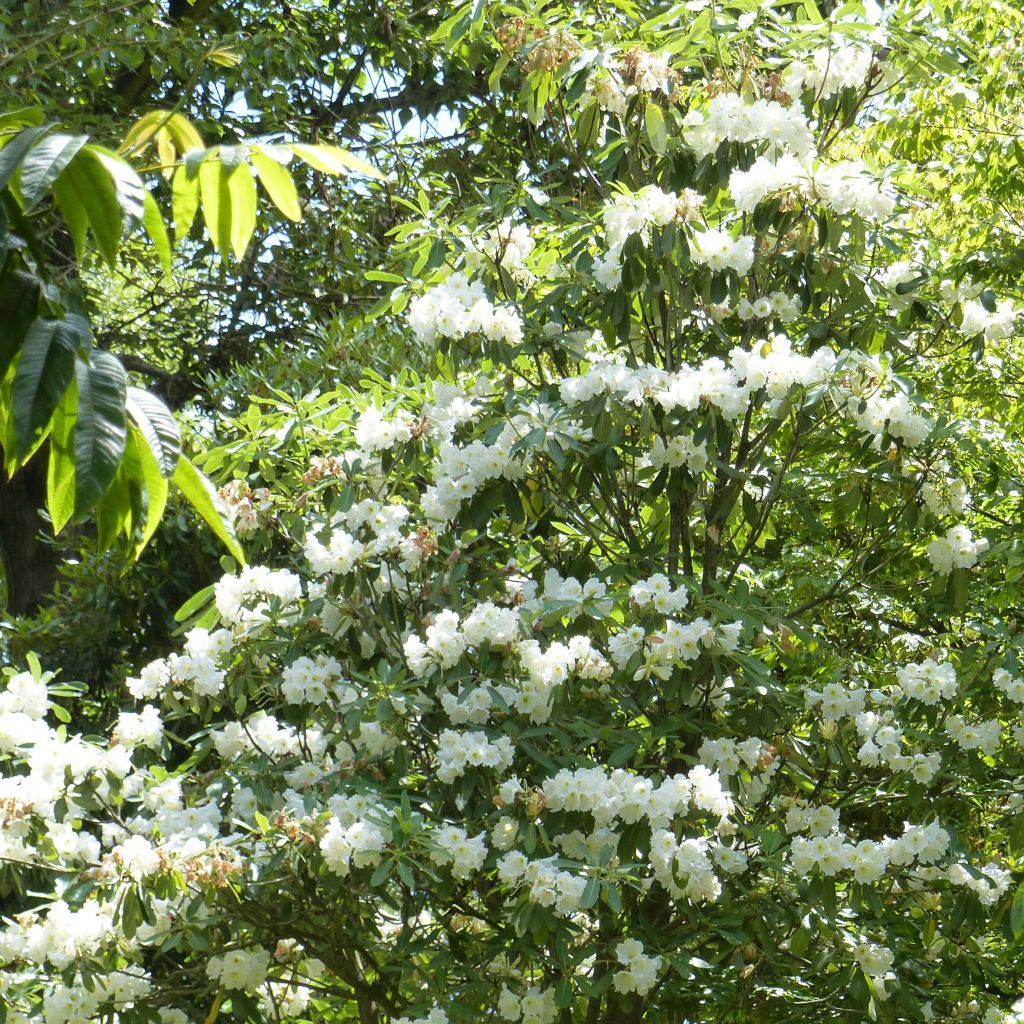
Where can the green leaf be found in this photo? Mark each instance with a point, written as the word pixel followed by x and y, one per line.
pixel 44 164
pixel 203 498
pixel 19 306
pixel 153 222
pixel 654 123
pixel 113 512
pixel 44 371
pixel 184 201
pixel 591 891
pixel 1017 912
pixel 86 188
pixel 229 205
pixel 333 160
pixel 158 426
pixel 242 190
pixel 194 604
pixel 277 182
pixel 13 152
pixel 101 428
pixel 130 190
pixel 156 487
pixel 60 470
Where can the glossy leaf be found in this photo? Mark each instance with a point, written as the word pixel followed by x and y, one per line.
pixel 203 498
pixel 277 181
pixel 44 163
pixel 101 426
pixel 157 425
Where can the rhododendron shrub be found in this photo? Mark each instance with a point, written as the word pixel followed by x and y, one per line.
pixel 642 662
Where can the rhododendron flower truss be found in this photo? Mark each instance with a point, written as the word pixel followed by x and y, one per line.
pixel 653 657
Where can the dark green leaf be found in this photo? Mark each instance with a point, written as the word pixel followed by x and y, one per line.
pixel 101 427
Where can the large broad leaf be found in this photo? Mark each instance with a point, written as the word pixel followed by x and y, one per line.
pixel 131 192
pixel 86 192
pixel 13 153
pixel 184 201
pixel 153 222
pixel 155 484
pixel 203 498
pixel 229 204
pixel 44 164
pixel 277 181
pixel 333 160
pixel 60 471
pixel 43 374
pixel 157 425
pixel 101 427
pixel 19 306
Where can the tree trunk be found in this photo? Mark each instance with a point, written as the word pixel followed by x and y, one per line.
pixel 29 565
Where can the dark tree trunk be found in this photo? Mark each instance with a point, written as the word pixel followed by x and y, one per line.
pixel 29 565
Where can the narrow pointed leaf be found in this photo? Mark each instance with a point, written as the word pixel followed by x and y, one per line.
pixel 130 190
pixel 184 202
pixel 44 164
pixel 101 427
pixel 12 154
pixel 153 222
pixel 203 498
pixel 157 425
pixel 60 470
pixel 86 186
pixel 334 160
pixel 277 182
pixel 19 306
pixel 156 487
pixel 44 371
pixel 242 192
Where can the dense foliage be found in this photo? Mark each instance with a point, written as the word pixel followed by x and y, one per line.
pixel 647 646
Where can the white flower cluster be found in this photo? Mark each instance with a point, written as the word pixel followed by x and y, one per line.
pixel 640 971
pixel 310 681
pixel 606 90
pixel 60 935
pixel 244 600
pixel 458 307
pixel 474 705
pixel 508 245
pixel 731 118
pixel 677 452
pixel 78 1003
pixel 488 625
pixel 688 861
pixel 144 729
pixel 674 645
pixel 1010 685
pixel 994 325
pixel 984 735
pixel 657 590
pixel 728 756
pixel 374 433
pixel 956 550
pixel 534 1006
pixel 849 187
pixel 877 413
pixel 636 213
pixel 882 743
pixel 867 860
pixel 836 701
pixel 623 796
pixel 944 495
pixel 766 177
pixel 874 960
pixel 460 472
pixel 829 70
pixel 436 1016
pixel 989 888
pixel 244 969
pixel 718 250
pixel 778 304
pixel 547 668
pixel 548 885
pixel 457 751
pixel 197 671
pixel 457 849
pixel 351 839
